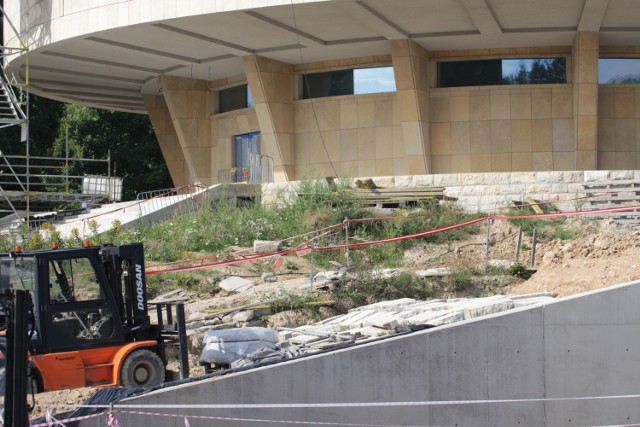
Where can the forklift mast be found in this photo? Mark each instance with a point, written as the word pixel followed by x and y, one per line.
pixel 124 267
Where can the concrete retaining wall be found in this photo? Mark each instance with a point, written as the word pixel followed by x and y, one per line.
pixel 584 346
pixel 488 191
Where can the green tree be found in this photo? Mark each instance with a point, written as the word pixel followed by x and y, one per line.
pixel 523 75
pixel 538 73
pixel 44 118
pixel 135 153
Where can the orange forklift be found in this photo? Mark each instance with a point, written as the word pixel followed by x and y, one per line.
pixel 90 324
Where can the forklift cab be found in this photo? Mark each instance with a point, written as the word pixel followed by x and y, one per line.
pixel 74 306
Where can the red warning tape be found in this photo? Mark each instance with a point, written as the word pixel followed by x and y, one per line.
pixel 66 420
pixel 395 239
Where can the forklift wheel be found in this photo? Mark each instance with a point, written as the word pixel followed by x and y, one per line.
pixel 142 368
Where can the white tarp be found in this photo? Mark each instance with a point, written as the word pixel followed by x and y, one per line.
pixel 225 346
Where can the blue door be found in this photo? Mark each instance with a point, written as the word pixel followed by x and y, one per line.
pixel 245 146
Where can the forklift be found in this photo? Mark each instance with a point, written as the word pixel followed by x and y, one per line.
pixel 90 324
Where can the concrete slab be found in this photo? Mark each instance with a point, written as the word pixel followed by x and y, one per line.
pixel 581 347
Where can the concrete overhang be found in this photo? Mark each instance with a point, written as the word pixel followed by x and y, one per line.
pixel 103 55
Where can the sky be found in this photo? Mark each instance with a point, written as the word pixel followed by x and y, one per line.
pixel 609 68
pixel 373 80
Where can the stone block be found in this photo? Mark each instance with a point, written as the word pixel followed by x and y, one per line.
pixel 479 107
pixel 497 178
pixel 459 108
pixel 500 106
pixel 494 202
pixel 383 321
pixel 559 188
pixel 423 180
pixel 269 277
pixel 489 190
pixel 385 273
pixel 621 174
pixel 456 191
pixel 481 163
pixel 538 188
pixel 522 177
pixel 480 136
pixel 372 332
pixel 595 176
pixel 266 246
pixel 242 316
pixel 355 319
pixel 518 189
pixel 563 135
pixel 573 189
pixel 447 319
pixel 236 284
pixel 541 104
pixel 471 179
pixel 572 176
pixel 606 160
pixel 434 272
pixel 460 163
pixel 404 181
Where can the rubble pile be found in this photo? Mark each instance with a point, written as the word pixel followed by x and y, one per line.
pixel 360 324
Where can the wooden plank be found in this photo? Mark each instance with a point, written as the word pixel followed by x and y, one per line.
pixel 610 183
pixel 600 200
pixel 612 187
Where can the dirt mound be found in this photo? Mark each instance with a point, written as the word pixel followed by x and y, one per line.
pixel 604 257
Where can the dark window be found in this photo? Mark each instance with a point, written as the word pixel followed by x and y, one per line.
pixel 469 73
pixel 348 82
pixel 332 83
pixel 619 70
pixel 234 98
pixel 502 72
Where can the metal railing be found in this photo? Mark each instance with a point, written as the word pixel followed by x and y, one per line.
pixel 42 172
pixel 155 200
pixel 260 170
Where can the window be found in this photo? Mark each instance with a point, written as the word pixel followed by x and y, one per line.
pixel 619 70
pixel 79 312
pixel 18 273
pixel 234 98
pixel 502 72
pixel 348 82
pixel 72 280
pixel 373 80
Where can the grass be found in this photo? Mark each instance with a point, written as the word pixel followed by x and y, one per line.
pixel 223 226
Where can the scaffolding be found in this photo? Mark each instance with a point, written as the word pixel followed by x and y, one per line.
pixel 14 100
pixel 30 182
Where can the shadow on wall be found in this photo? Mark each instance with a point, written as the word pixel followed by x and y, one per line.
pixel 35 14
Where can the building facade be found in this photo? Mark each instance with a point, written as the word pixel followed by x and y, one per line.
pixel 350 87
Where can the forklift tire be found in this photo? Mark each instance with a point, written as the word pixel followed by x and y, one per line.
pixel 142 369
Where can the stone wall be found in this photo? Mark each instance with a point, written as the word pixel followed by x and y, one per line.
pixel 357 134
pixel 500 129
pixel 618 126
pixel 487 191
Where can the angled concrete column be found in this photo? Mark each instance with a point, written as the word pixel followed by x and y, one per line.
pixel 167 138
pixel 189 103
pixel 586 49
pixel 411 69
pixel 271 85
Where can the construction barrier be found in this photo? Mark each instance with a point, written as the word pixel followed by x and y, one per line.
pixel 157 269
